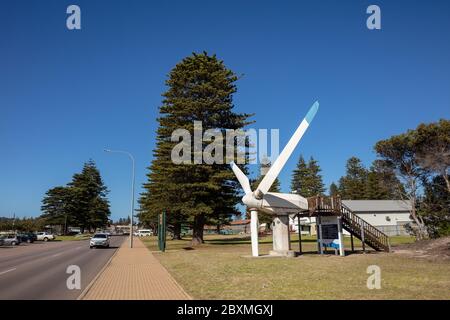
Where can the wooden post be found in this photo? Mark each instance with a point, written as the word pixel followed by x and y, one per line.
pixel 363 239
pixel 351 240
pixel 299 235
pixel 320 235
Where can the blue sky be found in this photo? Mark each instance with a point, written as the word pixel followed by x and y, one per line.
pixel 65 95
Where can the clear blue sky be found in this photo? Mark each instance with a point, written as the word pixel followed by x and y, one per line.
pixel 65 95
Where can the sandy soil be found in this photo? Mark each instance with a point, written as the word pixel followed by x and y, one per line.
pixel 435 249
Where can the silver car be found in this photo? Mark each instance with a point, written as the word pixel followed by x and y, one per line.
pixel 99 240
pixel 9 240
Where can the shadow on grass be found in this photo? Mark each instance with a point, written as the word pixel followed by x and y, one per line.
pixel 247 240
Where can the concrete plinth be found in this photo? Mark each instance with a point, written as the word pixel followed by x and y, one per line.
pixel 287 253
pixel 281 237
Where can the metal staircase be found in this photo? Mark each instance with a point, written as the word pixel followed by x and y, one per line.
pixel 356 226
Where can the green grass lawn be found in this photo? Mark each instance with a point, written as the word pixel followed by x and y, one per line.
pixel 73 238
pixel 221 269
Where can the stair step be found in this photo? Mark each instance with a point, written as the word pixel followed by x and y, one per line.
pixel 350 221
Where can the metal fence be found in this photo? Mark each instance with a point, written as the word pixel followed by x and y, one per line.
pixel 396 230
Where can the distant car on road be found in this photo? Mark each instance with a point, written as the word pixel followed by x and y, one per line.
pixel 10 240
pixel 99 240
pixel 45 236
pixel 26 237
pixel 144 233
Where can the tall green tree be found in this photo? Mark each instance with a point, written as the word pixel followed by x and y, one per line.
pixel 89 206
pixel 306 178
pixel 432 143
pixel 399 154
pixel 334 190
pixel 315 183
pixel 434 207
pixel 200 88
pixel 352 185
pixel 382 183
pixel 82 202
pixel 57 205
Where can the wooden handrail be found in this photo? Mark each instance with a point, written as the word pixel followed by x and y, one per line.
pixel 333 205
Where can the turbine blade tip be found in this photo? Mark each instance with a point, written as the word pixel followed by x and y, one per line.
pixel 312 112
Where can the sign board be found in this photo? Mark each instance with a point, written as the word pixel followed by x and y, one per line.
pixel 330 234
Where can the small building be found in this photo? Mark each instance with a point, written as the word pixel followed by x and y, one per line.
pixel 307 225
pixel 389 216
pixel 239 226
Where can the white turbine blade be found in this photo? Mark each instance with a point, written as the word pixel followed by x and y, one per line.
pixel 279 163
pixel 242 178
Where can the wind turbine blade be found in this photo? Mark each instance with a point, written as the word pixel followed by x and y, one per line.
pixel 279 163
pixel 242 178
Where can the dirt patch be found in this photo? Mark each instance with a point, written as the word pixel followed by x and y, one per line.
pixel 435 249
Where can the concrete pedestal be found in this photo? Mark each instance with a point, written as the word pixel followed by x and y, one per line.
pixel 281 237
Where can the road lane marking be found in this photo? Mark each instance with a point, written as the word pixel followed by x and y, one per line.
pixel 6 271
pixel 57 254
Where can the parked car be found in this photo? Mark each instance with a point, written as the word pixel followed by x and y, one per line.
pixel 144 233
pixel 2 242
pixel 25 237
pixel 45 236
pixel 10 240
pixel 99 240
pixel 32 235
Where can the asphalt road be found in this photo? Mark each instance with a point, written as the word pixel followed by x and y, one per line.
pixel 39 270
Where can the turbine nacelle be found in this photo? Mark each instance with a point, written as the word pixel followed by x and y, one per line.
pixel 276 203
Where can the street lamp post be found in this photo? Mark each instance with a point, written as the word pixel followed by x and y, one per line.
pixel 132 190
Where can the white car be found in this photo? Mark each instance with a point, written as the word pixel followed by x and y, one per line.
pixel 45 236
pixel 99 240
pixel 144 233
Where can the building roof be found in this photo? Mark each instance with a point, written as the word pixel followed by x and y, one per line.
pixel 378 205
pixel 247 221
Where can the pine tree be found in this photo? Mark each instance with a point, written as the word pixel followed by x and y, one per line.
pixel 200 88
pixel 89 206
pixel 55 206
pixel 334 190
pixel 299 176
pixel 315 183
pixel 352 185
pixel 435 207
pixel 382 183
pixel 306 178
pixel 82 202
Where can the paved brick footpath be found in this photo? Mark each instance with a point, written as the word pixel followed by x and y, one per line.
pixel 134 274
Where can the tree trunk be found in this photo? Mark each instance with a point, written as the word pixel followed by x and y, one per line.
pixel 447 182
pixel 218 229
pixel 177 231
pixel 419 223
pixel 197 230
